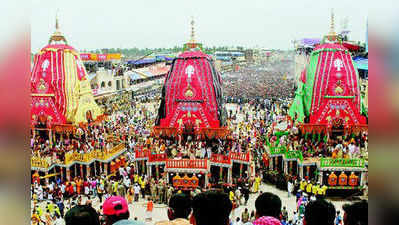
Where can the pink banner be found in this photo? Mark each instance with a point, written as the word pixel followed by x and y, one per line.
pixel 85 56
pixel 101 57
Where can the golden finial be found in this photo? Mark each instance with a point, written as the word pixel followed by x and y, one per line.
pixel 332 36
pixel 57 35
pixel 57 27
pixel 192 30
pixel 332 29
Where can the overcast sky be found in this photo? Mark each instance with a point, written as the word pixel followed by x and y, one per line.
pixel 96 24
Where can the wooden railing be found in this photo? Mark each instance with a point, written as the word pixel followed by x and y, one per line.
pixel 219 158
pixel 294 155
pixel 329 162
pixel 240 156
pixel 71 157
pixel 140 153
pixel 38 162
pixel 187 163
pixel 161 157
pixel 278 150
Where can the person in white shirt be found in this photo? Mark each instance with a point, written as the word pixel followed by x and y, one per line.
pixel 238 195
pixel 51 187
pixel 87 190
pixel 126 182
pixel 209 152
pixel 128 168
pixel 62 188
pixel 295 218
pixel 121 171
pixel 136 189
pixel 351 151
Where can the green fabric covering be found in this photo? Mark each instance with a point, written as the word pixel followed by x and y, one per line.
pixel 297 106
pixel 310 76
pixel 303 95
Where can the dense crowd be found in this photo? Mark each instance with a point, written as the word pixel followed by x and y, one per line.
pixel 273 80
pixel 255 116
pixel 97 135
pixel 214 207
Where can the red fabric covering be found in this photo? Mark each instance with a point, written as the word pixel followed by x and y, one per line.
pixel 48 83
pixel 336 94
pixel 44 106
pixel 190 93
pixel 350 46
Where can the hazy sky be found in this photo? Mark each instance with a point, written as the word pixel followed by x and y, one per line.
pixel 91 24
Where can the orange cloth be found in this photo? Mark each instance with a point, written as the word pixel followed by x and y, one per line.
pixel 78 185
pixel 334 154
pixel 150 206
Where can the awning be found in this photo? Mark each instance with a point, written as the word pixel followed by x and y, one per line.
pixel 141 61
pixel 361 63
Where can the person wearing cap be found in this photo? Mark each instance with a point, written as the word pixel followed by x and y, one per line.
pixel 302 185
pixel 268 209
pixel 309 187
pixel 116 212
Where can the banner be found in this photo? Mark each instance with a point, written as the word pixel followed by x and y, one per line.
pixel 100 57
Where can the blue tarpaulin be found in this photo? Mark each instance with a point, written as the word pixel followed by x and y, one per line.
pixel 158 58
pixel 361 63
pixel 141 61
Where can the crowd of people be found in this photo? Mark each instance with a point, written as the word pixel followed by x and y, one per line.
pixel 271 80
pixel 213 207
pixel 120 123
pixel 254 114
